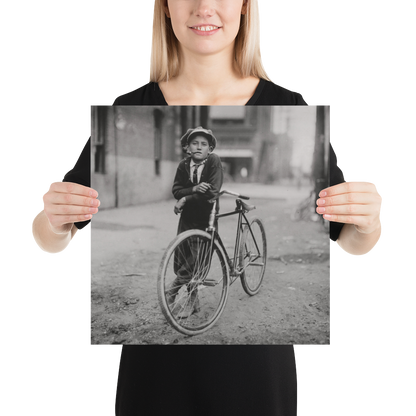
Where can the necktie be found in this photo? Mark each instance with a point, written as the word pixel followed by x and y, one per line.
pixel 195 174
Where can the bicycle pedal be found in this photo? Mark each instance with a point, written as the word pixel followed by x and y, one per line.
pixel 209 282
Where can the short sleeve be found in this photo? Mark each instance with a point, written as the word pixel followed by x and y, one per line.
pixel 336 175
pixel 81 173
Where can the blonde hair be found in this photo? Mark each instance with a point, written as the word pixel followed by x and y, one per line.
pixel 165 60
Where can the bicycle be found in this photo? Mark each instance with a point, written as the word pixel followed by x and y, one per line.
pixel 196 272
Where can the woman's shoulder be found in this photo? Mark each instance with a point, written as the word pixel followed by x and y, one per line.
pixel 270 93
pixel 149 94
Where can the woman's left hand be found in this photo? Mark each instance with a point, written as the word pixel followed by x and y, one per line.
pixel 356 203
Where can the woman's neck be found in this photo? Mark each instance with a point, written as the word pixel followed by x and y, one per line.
pixel 202 80
pixel 208 80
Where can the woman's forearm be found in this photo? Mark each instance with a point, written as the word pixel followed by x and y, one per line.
pixel 356 242
pixel 46 238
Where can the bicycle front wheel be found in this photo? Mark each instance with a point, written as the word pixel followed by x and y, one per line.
pixel 253 255
pixel 193 282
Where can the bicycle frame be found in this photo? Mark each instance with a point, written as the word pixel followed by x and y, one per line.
pixel 199 301
pixel 241 221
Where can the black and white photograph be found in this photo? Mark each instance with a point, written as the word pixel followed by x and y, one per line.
pixel 207 231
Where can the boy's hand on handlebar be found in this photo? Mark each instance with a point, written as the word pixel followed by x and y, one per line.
pixel 66 203
pixel 179 206
pixel 201 188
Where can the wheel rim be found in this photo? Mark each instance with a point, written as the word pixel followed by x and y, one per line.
pixel 253 256
pixel 198 283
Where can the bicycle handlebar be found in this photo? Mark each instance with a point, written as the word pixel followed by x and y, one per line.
pixel 224 191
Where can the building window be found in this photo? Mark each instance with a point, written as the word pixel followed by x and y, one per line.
pixel 158 118
pixel 227 115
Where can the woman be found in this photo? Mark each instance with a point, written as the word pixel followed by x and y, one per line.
pixel 223 65
pixel 195 66
pixel 209 52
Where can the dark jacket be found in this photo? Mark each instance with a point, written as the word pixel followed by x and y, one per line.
pixel 198 207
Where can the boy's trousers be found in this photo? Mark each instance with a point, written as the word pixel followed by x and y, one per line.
pixel 191 255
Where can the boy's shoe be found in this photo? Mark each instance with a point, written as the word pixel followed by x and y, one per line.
pixel 170 299
pixel 192 306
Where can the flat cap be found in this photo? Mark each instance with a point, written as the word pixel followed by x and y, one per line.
pixel 198 131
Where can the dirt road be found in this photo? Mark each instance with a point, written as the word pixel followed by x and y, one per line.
pixel 292 306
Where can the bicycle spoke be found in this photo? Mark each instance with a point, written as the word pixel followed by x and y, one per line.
pixel 191 305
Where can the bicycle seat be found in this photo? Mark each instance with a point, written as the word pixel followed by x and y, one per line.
pixel 245 206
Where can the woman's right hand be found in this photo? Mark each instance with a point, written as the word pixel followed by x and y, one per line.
pixel 66 203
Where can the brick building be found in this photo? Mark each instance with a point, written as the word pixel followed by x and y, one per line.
pixel 136 150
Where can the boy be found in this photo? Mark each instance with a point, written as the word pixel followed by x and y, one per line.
pixel 198 179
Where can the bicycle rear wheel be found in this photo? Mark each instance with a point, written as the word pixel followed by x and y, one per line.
pixel 253 256
pixel 193 282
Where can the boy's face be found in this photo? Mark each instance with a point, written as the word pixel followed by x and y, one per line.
pixel 199 147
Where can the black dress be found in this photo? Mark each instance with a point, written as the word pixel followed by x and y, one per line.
pixel 247 380
pixel 242 380
pixel 267 93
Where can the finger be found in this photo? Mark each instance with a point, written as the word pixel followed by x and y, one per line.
pixel 58 198
pixel 348 187
pixel 348 199
pixel 73 188
pixel 351 209
pixel 346 219
pixel 59 220
pixel 70 209
pixel 361 221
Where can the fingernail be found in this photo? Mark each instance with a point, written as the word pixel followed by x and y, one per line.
pixel 321 201
pixel 321 210
pixel 322 193
pixel 327 216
